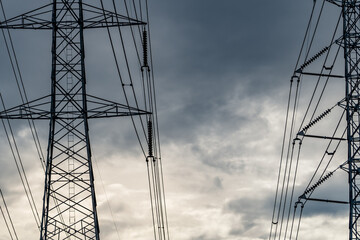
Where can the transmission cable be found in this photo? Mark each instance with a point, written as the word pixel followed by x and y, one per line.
pixel 303 204
pixel 157 175
pixel 322 159
pixel 281 158
pixel 303 121
pixel 312 38
pixel 127 62
pixel 121 79
pixel 21 87
pixel 286 122
pixel 285 133
pixel 305 37
pixel 288 159
pixel 106 196
pixel 315 29
pixel 293 219
pixel 293 186
pixel 299 222
pixel 153 195
pixel 24 98
pixel 6 223
pixel 288 174
pixel 20 167
pixel 157 179
pixel 155 170
pixel 321 95
pixel 9 221
pixel 298 225
pixel 138 26
pixel 156 120
pixel 319 78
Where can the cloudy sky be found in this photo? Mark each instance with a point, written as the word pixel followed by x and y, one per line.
pixel 222 76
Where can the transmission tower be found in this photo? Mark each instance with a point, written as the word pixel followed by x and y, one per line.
pixel 69 202
pixel 283 224
pixel 351 38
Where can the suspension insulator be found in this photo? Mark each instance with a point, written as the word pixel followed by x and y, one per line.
pixel 150 138
pixel 315 120
pixel 145 49
pixel 308 62
pixel 312 188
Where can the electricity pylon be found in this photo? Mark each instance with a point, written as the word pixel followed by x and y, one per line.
pixel 351 39
pixel 69 202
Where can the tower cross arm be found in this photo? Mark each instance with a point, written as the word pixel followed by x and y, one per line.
pixel 97 108
pixel 336 2
pixel 94 17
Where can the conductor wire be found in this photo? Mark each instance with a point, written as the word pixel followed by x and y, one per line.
pixel 293 188
pixel 8 214
pixel 286 124
pixel 157 142
pixel 121 79
pixel 20 167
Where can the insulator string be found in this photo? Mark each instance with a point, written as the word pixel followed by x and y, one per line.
pixel 151 136
pixel 286 171
pixel 318 183
pixel 313 122
pixel 312 59
pixel 318 80
pixel 327 149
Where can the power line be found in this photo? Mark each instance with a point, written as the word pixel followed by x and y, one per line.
pixel 350 106
pixel 61 96
pixel 19 166
pixel 7 219
pixel 21 87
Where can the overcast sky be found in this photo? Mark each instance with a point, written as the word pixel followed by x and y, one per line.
pixel 222 71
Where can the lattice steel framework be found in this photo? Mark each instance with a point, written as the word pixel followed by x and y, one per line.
pixel 69 203
pixel 351 43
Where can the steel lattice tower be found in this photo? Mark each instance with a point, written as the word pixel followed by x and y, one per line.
pixel 351 38
pixel 69 202
pixel 350 42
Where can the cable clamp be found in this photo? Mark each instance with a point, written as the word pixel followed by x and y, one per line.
pixel 297 139
pixel 299 202
pixel 148 158
pixel 295 77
